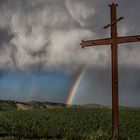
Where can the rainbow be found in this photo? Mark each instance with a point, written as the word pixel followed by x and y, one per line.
pixel 74 88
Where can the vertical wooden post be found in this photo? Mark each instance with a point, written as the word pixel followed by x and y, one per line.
pixel 114 57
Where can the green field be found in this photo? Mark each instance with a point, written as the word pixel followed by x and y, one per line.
pixel 4 106
pixel 68 124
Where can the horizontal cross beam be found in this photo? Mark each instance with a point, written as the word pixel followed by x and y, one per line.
pixel 89 43
pixel 109 41
pixel 128 39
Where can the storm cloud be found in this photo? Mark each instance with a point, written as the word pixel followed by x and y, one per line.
pixel 46 34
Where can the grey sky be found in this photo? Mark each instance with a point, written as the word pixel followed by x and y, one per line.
pixel 45 34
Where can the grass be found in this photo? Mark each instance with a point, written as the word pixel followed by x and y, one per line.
pixel 68 124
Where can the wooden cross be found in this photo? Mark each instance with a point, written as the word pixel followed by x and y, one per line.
pixel 113 41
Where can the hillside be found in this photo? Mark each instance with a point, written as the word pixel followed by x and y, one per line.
pixel 7 105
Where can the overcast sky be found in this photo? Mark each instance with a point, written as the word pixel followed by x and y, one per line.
pixel 40 55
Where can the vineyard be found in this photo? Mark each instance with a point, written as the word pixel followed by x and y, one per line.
pixel 68 124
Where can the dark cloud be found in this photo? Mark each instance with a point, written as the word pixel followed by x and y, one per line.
pixel 5 36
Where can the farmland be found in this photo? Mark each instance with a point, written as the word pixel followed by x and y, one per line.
pixel 68 124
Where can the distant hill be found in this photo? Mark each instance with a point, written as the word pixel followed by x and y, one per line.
pixel 6 105
pixel 93 105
